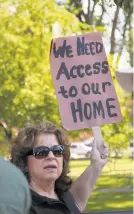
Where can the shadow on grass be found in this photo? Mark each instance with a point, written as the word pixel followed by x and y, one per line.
pixel 109 202
pixel 114 181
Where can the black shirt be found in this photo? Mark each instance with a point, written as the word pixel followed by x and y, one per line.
pixel 45 205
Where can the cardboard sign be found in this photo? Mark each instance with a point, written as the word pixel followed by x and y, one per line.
pixel 83 83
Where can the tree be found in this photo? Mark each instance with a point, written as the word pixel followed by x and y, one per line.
pixel 117 135
pixel 26 89
pixel 85 11
pixel 26 29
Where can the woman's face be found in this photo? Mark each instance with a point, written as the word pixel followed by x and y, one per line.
pixel 47 168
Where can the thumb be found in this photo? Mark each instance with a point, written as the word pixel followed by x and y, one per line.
pixel 94 145
pixel 99 146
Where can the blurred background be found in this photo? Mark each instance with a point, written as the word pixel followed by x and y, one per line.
pixel 27 93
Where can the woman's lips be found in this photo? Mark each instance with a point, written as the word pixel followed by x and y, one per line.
pixel 50 167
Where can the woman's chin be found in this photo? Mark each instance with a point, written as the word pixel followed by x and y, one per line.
pixel 51 177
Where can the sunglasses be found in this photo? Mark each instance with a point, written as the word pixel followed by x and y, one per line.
pixel 43 151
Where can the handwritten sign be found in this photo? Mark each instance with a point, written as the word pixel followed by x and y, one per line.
pixel 83 83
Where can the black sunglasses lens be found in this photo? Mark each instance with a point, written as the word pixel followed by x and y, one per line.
pixel 41 152
pixel 58 150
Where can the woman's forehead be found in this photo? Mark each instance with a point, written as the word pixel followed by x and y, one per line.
pixel 46 139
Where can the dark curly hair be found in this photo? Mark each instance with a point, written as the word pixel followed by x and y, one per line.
pixel 26 140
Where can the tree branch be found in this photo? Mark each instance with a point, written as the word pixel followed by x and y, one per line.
pixel 112 39
pixel 123 41
pixel 101 16
pixel 91 17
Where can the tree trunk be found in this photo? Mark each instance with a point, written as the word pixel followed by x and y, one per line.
pixel 101 16
pixel 131 50
pixel 113 43
pixel 123 40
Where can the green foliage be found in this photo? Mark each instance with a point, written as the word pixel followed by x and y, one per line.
pixel 26 89
pixel 118 135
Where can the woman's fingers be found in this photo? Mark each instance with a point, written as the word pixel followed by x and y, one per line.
pixel 105 151
pixel 104 156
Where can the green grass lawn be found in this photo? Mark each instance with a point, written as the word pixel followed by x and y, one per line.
pixel 114 181
pixel 119 166
pixel 109 202
pixel 117 174
pixel 113 165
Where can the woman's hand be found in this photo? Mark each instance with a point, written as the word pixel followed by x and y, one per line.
pixel 99 157
pixel 83 186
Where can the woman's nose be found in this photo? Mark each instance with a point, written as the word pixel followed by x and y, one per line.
pixel 50 155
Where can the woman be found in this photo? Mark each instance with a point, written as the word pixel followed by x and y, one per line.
pixel 42 153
